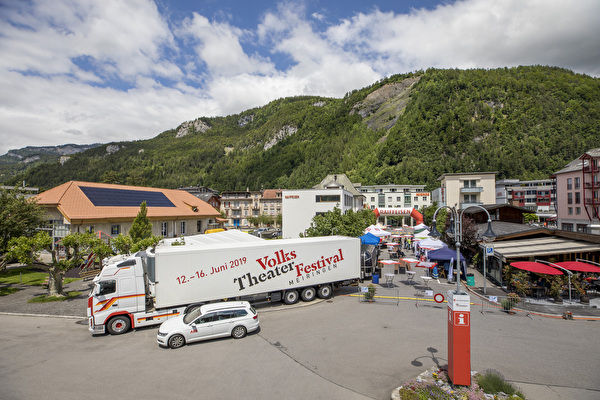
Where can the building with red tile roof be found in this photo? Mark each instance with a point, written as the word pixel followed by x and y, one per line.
pixel 86 206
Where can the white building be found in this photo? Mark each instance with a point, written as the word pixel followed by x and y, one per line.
pixel 299 206
pixel 396 196
pixel 465 190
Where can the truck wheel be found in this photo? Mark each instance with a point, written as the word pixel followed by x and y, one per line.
pixel 308 294
pixel 324 292
pixel 291 297
pixel 118 325
pixel 238 332
pixel 176 341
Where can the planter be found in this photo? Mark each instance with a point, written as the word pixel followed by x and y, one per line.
pixel 584 300
pixel 558 299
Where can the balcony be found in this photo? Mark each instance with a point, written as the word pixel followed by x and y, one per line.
pixel 471 189
pixel 464 205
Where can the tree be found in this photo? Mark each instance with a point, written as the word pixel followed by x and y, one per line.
pixel 124 244
pixel 469 236
pixel 333 222
pixel 28 250
pixel 141 228
pixel 18 217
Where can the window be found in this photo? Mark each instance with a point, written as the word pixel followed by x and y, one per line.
pixel 416 199
pixel 163 229
pixel 569 198
pixel 470 183
pixel 182 227
pixel 577 182
pixel 569 183
pixel 89 229
pixel 372 199
pixel 389 199
pixel 577 197
pixel 199 226
pixel 115 229
pixel 206 318
pixel 398 199
pixel 107 287
pixel 407 199
pixel 567 227
pixel 577 210
pixel 570 210
pixel 328 198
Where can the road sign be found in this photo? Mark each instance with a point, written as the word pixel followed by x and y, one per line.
pixel 489 250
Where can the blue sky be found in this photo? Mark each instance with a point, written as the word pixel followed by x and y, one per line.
pixel 86 71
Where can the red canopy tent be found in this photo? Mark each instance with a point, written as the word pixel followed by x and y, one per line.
pixel 578 266
pixel 536 267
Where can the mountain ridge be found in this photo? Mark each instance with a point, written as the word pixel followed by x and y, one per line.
pixel 524 122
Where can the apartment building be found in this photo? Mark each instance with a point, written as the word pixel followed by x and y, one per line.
pixel 578 194
pixel 465 190
pixel 538 196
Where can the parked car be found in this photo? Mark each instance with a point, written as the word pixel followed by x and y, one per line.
pixel 215 320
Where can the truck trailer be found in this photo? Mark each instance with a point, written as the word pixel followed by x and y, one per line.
pixel 149 287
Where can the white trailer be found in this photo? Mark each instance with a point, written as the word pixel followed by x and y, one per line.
pixel 148 288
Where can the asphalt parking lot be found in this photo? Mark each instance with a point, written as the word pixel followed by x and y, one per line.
pixel 335 349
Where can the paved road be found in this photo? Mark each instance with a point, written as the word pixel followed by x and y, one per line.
pixel 337 349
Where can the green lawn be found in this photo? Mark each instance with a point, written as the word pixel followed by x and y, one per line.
pixel 26 276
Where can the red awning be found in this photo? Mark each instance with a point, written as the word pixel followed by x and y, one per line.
pixel 536 267
pixel 579 266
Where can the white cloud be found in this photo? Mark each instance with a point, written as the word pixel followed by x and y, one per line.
pixel 475 33
pixel 218 47
pixel 88 71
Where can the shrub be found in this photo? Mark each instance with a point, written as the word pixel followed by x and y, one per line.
pixel 493 382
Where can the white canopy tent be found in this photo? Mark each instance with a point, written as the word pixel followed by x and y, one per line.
pixel 377 231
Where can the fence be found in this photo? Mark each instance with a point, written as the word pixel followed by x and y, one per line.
pixel 376 294
pixel 506 304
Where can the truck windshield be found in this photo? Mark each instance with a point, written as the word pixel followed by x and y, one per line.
pixel 192 315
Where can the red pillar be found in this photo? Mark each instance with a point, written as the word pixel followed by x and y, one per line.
pixel 459 338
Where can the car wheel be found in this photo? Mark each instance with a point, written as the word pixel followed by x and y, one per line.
pixel 118 325
pixel 238 332
pixel 291 297
pixel 176 341
pixel 308 294
pixel 325 292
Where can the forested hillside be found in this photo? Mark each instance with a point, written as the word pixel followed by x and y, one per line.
pixel 524 122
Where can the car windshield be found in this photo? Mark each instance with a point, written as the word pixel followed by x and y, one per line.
pixel 192 315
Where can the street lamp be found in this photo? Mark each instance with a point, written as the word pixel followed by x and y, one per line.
pixel 459 303
pixel 455 230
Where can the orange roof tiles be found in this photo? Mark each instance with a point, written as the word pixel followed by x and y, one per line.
pixel 75 205
pixel 271 193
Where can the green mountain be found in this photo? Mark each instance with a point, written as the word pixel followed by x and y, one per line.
pixel 524 123
pixel 20 160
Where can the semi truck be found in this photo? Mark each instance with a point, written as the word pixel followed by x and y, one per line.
pixel 151 286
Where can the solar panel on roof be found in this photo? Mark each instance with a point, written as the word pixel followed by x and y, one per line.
pixel 106 197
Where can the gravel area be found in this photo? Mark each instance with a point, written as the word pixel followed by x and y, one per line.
pixel 17 302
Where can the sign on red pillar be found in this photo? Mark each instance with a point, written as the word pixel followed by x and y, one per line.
pixel 459 338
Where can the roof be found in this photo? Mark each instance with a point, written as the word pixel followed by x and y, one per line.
pixel 502 228
pixel 591 153
pixel 466 174
pixel 338 180
pixel 544 246
pixel 573 166
pixel 88 201
pixel 271 194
